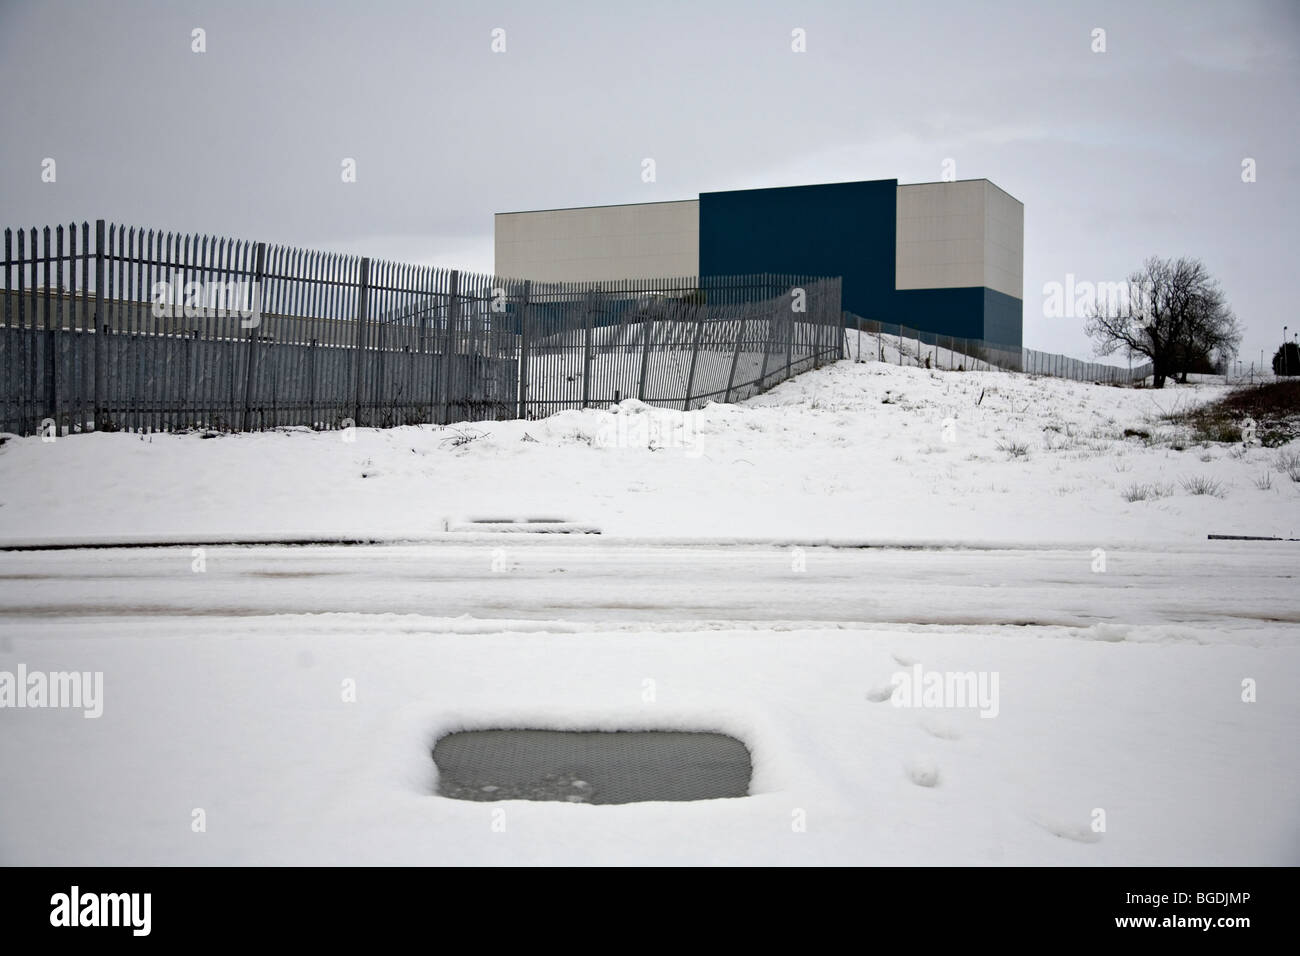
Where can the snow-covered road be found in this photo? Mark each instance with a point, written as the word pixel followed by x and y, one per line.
pixel 1217 585
pixel 280 705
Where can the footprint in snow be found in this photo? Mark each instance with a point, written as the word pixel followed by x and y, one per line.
pixel 938 727
pixel 1078 832
pixel 881 693
pixel 923 772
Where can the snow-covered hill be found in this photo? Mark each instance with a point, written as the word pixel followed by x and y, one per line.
pixel 854 451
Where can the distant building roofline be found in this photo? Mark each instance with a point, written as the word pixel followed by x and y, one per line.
pixel 603 205
pixel 849 182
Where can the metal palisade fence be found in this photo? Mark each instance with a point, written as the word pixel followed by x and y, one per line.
pixel 889 342
pixel 137 329
pixel 674 342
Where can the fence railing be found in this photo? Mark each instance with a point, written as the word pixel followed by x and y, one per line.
pixel 679 342
pixel 898 344
pixel 142 330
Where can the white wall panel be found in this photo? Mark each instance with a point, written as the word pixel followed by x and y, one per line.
pixel 941 235
pixel 1004 242
pixel 599 243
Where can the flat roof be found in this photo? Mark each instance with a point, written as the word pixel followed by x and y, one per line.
pixel 603 205
pixel 847 182
pixel 976 179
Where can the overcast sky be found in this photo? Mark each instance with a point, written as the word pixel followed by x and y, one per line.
pixel 1116 155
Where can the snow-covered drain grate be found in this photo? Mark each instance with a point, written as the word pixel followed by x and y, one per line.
pixel 621 766
pixel 524 525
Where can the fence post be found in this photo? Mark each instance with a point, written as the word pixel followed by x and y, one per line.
pixel 789 341
pixel 817 331
pixel 768 335
pixel 453 309
pixel 259 270
pixel 836 327
pixel 51 346
pixel 186 393
pixel 358 359
pixel 735 356
pixel 12 393
pixel 378 396
pixel 649 324
pixel 100 327
pixel 586 345
pixel 51 374
pixel 695 354
pixel 524 314
pixel 311 383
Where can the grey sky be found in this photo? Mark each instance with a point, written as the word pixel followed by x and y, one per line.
pixel 1116 155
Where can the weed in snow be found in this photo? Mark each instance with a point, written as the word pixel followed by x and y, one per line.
pixel 1288 462
pixel 1145 492
pixel 1200 485
pixel 462 436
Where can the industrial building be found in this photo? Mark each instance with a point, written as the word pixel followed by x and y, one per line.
pixel 945 257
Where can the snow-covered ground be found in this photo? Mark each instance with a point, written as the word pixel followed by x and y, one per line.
pixel 289 697
pixel 855 451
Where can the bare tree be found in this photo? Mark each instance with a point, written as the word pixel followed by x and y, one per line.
pixel 1175 314
pixel 1210 334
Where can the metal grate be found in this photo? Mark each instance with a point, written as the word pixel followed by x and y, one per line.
pixel 591 766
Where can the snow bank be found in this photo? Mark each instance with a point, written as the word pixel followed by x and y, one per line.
pixel 869 452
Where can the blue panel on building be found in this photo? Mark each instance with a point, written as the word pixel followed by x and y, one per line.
pixel 974 313
pixel 838 229
pixel 1004 319
pixel 941 311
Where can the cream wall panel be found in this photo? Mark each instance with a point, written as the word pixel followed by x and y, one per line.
pixel 940 235
pixel 600 243
pixel 1004 242
pixel 954 235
